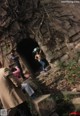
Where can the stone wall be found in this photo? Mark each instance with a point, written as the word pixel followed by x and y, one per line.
pixel 58 30
pixel 54 25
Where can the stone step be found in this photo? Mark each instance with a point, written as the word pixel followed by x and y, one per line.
pixel 76 103
pixel 45 105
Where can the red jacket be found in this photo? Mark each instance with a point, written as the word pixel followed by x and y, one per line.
pixel 74 114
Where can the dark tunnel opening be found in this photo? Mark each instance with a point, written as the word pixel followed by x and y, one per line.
pixel 25 49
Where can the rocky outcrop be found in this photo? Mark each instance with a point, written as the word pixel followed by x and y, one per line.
pixel 52 24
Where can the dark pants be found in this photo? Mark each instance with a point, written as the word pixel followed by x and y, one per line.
pixel 42 65
pixel 20 110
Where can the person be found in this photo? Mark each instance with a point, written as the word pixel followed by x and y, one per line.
pixel 24 85
pixel 15 59
pixel 15 70
pixel 38 57
pixel 11 96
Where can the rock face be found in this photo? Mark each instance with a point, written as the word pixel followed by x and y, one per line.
pixel 45 105
pixel 62 29
pixel 54 25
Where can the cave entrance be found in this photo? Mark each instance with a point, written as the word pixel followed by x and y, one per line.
pixel 25 50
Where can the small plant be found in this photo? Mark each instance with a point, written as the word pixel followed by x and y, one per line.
pixel 72 71
pixel 66 98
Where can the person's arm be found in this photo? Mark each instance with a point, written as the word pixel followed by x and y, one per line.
pixel 17 70
pixel 16 73
pixel 8 74
pixel 35 57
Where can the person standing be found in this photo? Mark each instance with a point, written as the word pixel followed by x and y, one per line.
pixel 15 59
pixel 38 57
pixel 11 96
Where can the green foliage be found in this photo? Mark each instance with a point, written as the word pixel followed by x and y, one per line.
pixel 71 70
